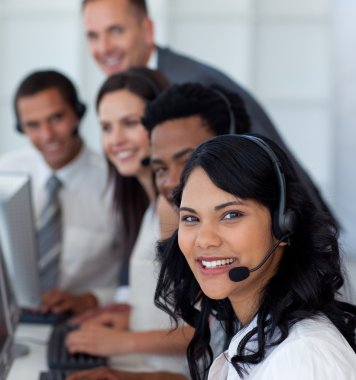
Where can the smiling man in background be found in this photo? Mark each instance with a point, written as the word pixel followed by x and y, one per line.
pixel 84 260
pixel 120 35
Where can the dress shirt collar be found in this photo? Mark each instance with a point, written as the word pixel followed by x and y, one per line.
pixel 67 172
pixel 74 167
pixel 235 341
pixel 153 60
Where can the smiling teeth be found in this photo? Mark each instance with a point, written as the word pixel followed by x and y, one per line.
pixel 217 263
pixel 123 155
pixel 112 61
pixel 53 146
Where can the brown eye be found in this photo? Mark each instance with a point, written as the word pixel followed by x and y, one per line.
pixel 132 123
pixel 106 127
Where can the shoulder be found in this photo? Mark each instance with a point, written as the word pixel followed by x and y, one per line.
pixel 180 68
pixel 88 169
pixel 94 160
pixel 314 349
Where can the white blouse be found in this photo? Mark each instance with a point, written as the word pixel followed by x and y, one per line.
pixel 313 350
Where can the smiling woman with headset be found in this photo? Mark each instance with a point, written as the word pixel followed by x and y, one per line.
pixel 253 250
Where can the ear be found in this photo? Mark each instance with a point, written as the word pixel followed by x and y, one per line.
pixel 148 29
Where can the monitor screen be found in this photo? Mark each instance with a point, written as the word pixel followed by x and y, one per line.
pixel 18 238
pixel 6 332
pixel 8 294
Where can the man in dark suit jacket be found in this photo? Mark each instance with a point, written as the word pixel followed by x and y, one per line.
pixel 120 35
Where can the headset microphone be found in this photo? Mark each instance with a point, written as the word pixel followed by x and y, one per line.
pixel 241 273
pixel 146 161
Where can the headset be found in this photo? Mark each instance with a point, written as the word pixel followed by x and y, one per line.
pixel 284 220
pixel 224 98
pixel 78 107
pixel 151 84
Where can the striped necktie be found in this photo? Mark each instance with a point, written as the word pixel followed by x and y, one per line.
pixel 50 236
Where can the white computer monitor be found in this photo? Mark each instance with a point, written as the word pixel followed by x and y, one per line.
pixel 18 238
pixel 6 331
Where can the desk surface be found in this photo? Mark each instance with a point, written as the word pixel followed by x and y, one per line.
pixel 28 367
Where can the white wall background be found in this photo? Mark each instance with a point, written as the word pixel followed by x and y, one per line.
pixel 295 56
pixel 344 105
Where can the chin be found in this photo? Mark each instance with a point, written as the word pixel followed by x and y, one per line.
pixel 214 295
pixel 127 172
pixel 213 292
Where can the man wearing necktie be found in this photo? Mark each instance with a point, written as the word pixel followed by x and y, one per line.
pixel 77 233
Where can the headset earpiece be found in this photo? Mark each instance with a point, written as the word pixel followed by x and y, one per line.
pixel 232 122
pixel 284 221
pixel 18 126
pixel 80 109
pixel 285 224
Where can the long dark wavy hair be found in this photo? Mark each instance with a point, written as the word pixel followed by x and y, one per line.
pixel 130 199
pixel 309 275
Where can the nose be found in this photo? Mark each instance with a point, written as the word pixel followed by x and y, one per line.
pixel 207 236
pixel 118 136
pixel 47 132
pixel 104 44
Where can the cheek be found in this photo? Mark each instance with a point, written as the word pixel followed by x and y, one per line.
pixel 186 245
pixel 32 136
pixel 140 138
pixel 106 144
pixel 144 137
pixel 94 50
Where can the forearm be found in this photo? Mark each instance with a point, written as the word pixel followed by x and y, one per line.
pixel 104 295
pixel 112 342
pixel 157 376
pixel 111 374
pixel 162 342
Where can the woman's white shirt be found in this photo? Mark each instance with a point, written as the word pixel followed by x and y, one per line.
pixel 145 316
pixel 313 350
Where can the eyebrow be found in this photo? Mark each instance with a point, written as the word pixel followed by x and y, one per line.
pixel 182 153
pixel 216 208
pixel 227 204
pixel 122 118
pixel 176 156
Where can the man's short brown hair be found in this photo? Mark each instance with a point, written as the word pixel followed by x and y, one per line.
pixel 140 5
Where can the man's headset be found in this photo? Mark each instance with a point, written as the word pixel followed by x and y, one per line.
pixel 135 73
pixel 78 107
pixel 284 220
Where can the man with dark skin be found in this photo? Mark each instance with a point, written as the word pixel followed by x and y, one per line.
pixel 120 34
pixel 173 137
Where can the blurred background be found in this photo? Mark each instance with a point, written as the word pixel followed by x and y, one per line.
pixel 294 56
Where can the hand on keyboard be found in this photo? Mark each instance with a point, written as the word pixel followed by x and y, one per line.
pixel 115 320
pixel 60 358
pixel 111 342
pixel 60 301
pixel 88 316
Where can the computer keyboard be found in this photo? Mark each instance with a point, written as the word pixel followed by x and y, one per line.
pixel 58 356
pixel 53 375
pixel 44 318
